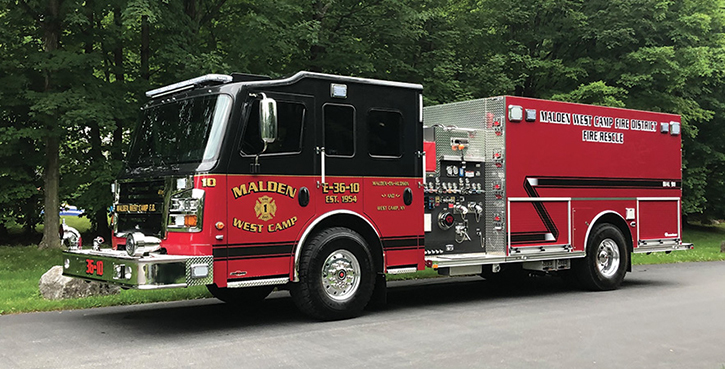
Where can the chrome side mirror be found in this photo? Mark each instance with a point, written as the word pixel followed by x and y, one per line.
pixel 267 119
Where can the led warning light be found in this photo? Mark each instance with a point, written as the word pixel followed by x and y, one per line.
pixel 516 113
pixel 674 128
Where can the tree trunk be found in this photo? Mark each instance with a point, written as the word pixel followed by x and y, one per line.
pixel 52 29
pixel 51 174
pixel 145 53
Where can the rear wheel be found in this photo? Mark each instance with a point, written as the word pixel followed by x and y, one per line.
pixel 606 262
pixel 248 296
pixel 336 275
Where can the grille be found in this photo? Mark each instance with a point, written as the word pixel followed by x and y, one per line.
pixel 143 207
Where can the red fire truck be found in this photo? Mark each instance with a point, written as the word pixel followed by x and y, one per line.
pixel 324 184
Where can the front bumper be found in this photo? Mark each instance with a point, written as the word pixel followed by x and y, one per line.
pixel 153 271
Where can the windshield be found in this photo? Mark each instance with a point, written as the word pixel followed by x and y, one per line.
pixel 182 131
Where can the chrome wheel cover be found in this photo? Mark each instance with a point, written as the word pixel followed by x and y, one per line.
pixel 608 258
pixel 340 275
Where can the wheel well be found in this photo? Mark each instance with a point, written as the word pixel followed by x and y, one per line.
pixel 617 221
pixel 360 226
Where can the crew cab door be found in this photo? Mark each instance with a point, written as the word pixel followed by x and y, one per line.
pixel 268 201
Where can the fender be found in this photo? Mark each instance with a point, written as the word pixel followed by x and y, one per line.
pixel 594 221
pixel 313 225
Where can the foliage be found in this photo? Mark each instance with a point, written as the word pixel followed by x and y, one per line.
pixel 85 88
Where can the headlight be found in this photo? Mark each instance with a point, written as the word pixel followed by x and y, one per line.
pixel 132 242
pixel 185 211
pixel 137 243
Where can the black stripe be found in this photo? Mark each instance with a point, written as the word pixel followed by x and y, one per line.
pixel 259 257
pixel 528 237
pixel 259 244
pixel 400 242
pixel 271 250
pixel 541 210
pixel 564 182
pixel 400 248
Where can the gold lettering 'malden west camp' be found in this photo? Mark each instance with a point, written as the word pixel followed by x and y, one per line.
pixel 264 186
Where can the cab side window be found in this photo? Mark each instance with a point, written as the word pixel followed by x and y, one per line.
pixel 339 128
pixel 290 122
pixel 385 130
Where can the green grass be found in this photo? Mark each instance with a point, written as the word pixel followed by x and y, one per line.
pixel 22 266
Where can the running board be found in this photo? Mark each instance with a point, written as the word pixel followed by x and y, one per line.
pixel 405 270
pixel 662 247
pixel 258 282
pixel 463 260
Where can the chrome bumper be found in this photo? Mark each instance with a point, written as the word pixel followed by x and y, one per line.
pixel 150 272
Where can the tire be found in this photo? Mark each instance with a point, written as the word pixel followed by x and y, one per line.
pixel 606 262
pixel 336 275
pixel 243 297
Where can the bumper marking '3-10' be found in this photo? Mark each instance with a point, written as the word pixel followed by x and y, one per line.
pixel 147 272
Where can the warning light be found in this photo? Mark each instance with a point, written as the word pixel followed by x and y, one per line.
pixel 219 225
pixel 516 113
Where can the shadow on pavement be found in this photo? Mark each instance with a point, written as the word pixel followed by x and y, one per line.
pixel 278 311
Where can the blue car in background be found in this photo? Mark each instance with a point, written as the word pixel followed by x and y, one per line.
pixel 70 210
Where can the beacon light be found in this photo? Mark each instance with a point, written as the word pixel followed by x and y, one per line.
pixel 516 113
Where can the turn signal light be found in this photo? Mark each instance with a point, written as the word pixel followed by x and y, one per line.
pixel 190 221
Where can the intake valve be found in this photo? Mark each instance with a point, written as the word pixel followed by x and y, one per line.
pixel 462 232
pixel 460 209
pixel 97 242
pixel 478 210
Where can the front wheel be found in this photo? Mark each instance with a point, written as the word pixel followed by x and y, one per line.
pixel 336 275
pixel 606 262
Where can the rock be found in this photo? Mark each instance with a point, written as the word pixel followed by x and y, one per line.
pixel 55 286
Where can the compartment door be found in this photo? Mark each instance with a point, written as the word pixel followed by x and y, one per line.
pixel 658 221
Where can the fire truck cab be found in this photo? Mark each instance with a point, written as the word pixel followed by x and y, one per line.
pixel 324 184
